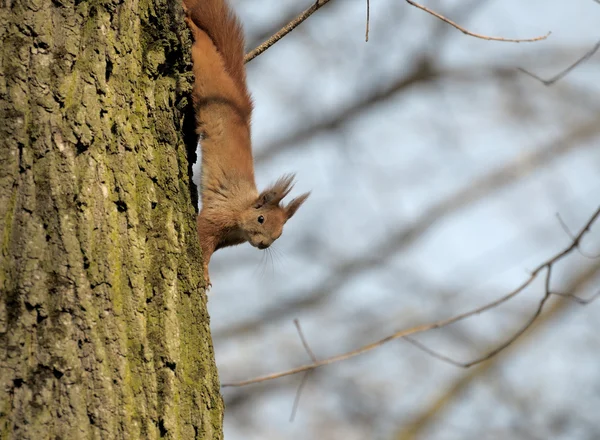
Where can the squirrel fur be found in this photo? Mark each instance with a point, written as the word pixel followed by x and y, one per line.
pixel 232 209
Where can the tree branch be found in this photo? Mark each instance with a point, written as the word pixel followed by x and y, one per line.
pixel 473 34
pixel 445 322
pixel 405 236
pixel 285 30
pixel 422 420
pixel 368 20
pixel 565 72
pixel 306 374
pixel 319 3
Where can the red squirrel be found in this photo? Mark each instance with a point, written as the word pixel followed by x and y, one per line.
pixel 232 210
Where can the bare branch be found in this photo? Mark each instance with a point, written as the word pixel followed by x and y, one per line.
pixel 445 322
pixel 565 227
pixel 298 393
pixel 319 3
pixel 577 299
pixel 306 346
pixel 562 74
pixel 492 353
pixel 433 353
pixel 422 72
pixel 285 30
pixel 409 234
pixel 368 18
pixel 572 237
pixel 473 34
pixel 306 374
pixel 412 429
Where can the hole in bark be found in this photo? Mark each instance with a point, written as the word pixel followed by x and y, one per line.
pixel 121 206
pixel 17 383
pixel 171 365
pixel 21 168
pixel 109 69
pixel 48 237
pixel 114 129
pixel 57 374
pixel 40 317
pixel 41 44
pixel 77 202
pixel 153 204
pixel 161 428
pixel 86 262
pixel 91 418
pixel 80 344
pixel 81 147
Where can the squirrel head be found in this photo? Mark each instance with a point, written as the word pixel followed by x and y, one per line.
pixel 262 222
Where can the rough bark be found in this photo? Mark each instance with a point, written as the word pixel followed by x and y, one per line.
pixel 104 332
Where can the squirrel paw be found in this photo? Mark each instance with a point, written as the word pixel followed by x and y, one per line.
pixel 207 283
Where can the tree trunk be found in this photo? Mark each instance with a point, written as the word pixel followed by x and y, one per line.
pixel 104 332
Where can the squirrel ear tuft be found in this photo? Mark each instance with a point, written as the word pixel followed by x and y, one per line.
pixel 276 192
pixel 293 206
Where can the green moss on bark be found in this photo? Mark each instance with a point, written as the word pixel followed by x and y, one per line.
pixel 103 324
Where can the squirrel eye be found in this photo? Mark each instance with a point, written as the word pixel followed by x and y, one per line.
pixel 261 219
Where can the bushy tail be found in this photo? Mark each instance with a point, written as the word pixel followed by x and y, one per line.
pixel 216 18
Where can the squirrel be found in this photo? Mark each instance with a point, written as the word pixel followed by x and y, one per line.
pixel 232 210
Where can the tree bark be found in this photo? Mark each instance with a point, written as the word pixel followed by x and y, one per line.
pixel 104 332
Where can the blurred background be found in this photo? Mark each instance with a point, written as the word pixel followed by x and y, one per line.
pixel 437 171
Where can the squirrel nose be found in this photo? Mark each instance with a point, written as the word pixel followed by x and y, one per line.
pixel 262 245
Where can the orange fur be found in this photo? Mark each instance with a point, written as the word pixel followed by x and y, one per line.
pixel 233 211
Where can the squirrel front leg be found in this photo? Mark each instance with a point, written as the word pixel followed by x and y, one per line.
pixel 208 244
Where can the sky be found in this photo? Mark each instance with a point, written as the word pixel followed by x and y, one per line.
pixel 427 202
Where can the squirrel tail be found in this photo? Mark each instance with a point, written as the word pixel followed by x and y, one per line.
pixel 218 21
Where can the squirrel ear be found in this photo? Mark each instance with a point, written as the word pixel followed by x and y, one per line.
pixel 293 206
pixel 264 198
pixel 276 192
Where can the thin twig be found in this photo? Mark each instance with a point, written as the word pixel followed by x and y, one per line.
pixel 429 351
pixel 441 403
pixel 538 311
pixel 304 343
pixel 565 227
pixel 368 15
pixel 562 74
pixel 496 350
pixel 298 393
pixel 577 299
pixel 306 374
pixel 435 354
pixel 319 3
pixel 572 237
pixel 445 322
pixel 473 34
pixel 285 30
